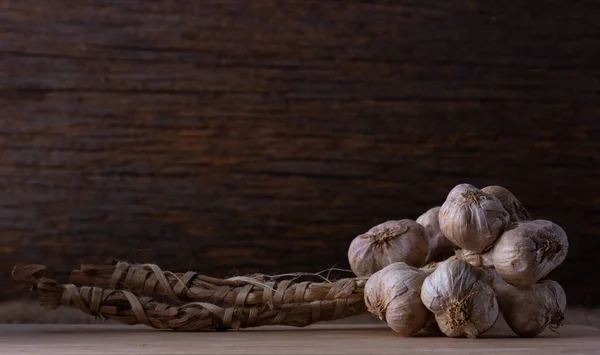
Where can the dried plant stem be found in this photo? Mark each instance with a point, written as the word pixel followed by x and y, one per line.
pixel 241 291
pixel 127 308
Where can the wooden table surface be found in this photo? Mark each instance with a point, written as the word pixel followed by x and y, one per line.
pixel 319 339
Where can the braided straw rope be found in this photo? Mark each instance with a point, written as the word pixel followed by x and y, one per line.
pixel 240 291
pixel 127 308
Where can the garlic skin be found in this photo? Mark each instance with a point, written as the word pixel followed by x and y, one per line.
pixel 430 266
pixel 387 243
pixel 478 260
pixel 523 310
pixel 462 299
pixel 528 312
pixel 494 277
pixel 511 204
pixel 393 295
pixel 528 251
pixel 471 218
pixel 440 247
pixel 555 301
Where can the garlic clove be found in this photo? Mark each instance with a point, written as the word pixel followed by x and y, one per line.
pixel 462 299
pixel 511 204
pixel 528 251
pixel 387 243
pixel 523 310
pixel 440 247
pixel 393 295
pixel 471 218
pixel 555 301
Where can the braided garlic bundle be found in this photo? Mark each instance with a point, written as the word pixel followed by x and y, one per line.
pixel 402 278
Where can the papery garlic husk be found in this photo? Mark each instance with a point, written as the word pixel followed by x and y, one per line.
pixel 511 204
pixel 528 251
pixel 430 266
pixel 387 243
pixel 476 259
pixel 393 295
pixel 524 310
pixel 555 301
pixel 462 299
pixel 471 218
pixel 440 247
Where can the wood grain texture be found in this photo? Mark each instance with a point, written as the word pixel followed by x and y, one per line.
pixel 242 136
pixel 321 339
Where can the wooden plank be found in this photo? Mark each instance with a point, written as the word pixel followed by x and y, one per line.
pixel 321 339
pixel 261 136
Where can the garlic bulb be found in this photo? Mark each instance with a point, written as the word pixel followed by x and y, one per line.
pixel 528 312
pixel 528 251
pixel 472 219
pixel 393 295
pixel 514 207
pixel 523 310
pixel 387 243
pixel 462 299
pixel 555 301
pixel 440 247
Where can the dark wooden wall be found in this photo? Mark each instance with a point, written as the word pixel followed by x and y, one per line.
pixel 240 136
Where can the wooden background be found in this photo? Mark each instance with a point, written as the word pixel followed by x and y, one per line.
pixel 238 136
